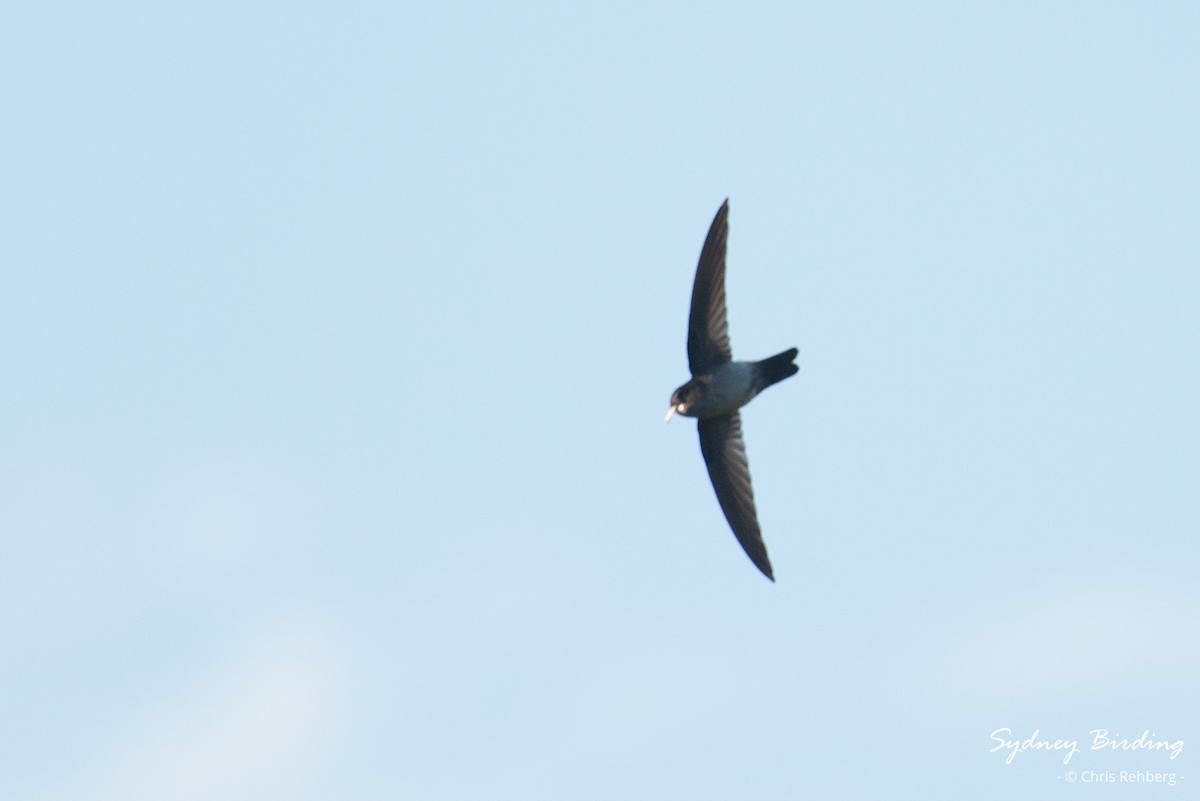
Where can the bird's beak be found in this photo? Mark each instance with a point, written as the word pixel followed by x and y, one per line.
pixel 670 412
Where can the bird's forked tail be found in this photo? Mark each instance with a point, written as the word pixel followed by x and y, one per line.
pixel 774 369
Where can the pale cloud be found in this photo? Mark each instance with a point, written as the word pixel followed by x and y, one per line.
pixel 253 726
pixel 1060 641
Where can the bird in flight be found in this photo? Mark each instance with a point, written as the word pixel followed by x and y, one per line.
pixel 721 386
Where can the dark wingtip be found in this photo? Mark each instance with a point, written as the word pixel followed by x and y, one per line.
pixel 763 564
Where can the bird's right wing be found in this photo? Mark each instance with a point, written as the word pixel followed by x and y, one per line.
pixel 725 454
pixel 708 330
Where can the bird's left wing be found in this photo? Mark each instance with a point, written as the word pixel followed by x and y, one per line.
pixel 725 454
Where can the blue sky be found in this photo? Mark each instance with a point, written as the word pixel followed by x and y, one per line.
pixel 337 339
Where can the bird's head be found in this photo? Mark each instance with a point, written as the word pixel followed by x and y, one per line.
pixel 684 398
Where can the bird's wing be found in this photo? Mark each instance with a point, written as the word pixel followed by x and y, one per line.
pixel 708 332
pixel 725 454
